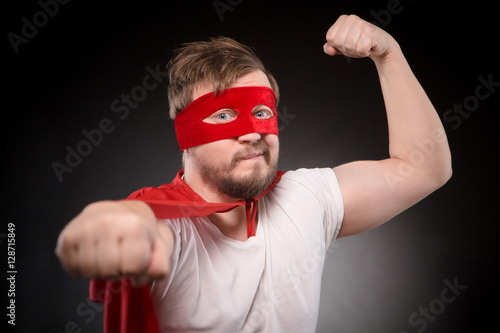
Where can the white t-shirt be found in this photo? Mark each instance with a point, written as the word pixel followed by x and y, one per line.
pixel 270 282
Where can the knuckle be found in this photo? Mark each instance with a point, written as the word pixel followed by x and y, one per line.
pixel 68 241
pixel 338 42
pixel 330 34
pixel 370 30
pixel 349 46
pixel 343 17
pixel 86 266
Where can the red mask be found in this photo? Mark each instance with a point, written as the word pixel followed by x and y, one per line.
pixel 192 131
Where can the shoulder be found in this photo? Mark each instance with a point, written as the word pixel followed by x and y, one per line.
pixel 310 179
pixel 316 187
pixel 309 199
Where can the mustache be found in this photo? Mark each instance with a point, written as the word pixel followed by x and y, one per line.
pixel 259 147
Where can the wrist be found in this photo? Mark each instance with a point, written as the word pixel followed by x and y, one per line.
pixel 393 62
pixel 392 54
pixel 139 207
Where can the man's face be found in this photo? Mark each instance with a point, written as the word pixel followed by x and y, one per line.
pixel 243 166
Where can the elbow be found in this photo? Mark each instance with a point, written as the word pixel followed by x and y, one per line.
pixel 445 176
pixel 436 172
pixel 441 169
pixel 446 169
pixel 440 175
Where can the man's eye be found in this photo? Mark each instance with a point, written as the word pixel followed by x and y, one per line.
pixel 263 114
pixel 221 117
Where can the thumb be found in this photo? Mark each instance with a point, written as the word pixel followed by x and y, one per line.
pixel 161 251
pixel 330 50
pixel 157 266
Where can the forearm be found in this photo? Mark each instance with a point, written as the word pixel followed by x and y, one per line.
pixel 416 135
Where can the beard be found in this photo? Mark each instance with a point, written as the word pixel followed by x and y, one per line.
pixel 245 187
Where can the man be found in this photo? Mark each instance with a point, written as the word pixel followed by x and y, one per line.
pixel 233 245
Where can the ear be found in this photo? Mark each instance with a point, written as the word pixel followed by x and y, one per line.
pixel 184 153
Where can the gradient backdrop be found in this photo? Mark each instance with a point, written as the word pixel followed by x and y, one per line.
pixel 73 69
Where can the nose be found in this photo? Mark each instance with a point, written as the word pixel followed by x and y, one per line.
pixel 249 138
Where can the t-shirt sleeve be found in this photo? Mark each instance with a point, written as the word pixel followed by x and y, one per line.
pixel 323 183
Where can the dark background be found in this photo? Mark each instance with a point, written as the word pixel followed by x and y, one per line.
pixel 64 80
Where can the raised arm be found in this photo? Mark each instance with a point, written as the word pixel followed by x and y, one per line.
pixel 420 159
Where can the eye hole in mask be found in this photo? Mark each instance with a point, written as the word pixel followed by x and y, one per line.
pixel 263 112
pixel 225 116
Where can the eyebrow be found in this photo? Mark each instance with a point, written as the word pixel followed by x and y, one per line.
pixel 260 105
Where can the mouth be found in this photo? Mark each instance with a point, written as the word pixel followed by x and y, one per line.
pixel 254 155
pixel 251 155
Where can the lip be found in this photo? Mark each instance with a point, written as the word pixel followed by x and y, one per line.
pixel 253 155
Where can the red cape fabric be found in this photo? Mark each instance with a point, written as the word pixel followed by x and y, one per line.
pixel 131 310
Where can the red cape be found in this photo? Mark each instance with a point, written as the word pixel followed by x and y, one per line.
pixel 130 310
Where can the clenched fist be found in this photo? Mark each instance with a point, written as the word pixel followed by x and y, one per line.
pixel 110 239
pixel 356 38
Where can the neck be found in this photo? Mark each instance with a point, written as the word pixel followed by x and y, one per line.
pixel 232 224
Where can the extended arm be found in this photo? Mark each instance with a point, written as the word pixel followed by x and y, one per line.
pixel 420 159
pixel 111 239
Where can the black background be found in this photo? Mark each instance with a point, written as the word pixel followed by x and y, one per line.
pixel 65 78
